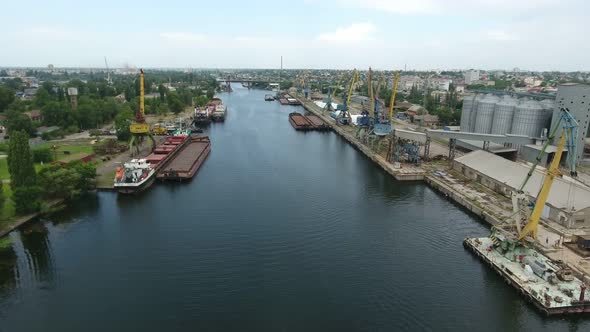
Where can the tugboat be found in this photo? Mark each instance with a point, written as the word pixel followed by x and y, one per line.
pixel 134 176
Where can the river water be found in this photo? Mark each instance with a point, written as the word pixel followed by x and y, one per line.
pixel 279 231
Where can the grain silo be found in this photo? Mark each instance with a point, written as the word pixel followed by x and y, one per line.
pixel 529 117
pixel 548 105
pixel 485 114
pixel 468 102
pixel 503 115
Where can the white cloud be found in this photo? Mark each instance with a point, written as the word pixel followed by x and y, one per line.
pixel 356 32
pixel 251 39
pixel 182 37
pixel 461 7
pixel 501 35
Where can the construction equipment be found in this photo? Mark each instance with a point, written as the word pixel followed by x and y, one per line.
pixel 159 129
pixel 140 129
pixel 520 202
pixel 342 115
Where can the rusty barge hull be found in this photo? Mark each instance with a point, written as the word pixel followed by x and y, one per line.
pixel 305 123
pixel 187 161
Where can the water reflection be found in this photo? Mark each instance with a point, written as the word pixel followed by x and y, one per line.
pixel 36 245
pixel 8 267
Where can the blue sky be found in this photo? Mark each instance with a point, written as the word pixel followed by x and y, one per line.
pixel 385 34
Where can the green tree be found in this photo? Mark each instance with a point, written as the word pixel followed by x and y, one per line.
pixel 17 121
pixel 162 91
pixel 20 160
pixel 42 97
pixel 201 101
pixel 15 83
pixel 122 122
pixel 53 114
pixel 176 105
pixel 87 173
pixel 59 181
pixel 26 199
pixel 6 97
pixel 42 155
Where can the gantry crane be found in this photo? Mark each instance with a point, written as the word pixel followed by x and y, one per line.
pixel 343 115
pixel 140 129
pixel 328 100
pixel 567 139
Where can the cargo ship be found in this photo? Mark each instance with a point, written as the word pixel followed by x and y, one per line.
pixel 202 117
pixel 137 175
pixel 219 113
pixel 187 161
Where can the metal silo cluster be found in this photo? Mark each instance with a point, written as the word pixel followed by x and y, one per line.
pixel 490 114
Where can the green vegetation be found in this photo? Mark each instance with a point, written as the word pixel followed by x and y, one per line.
pixel 20 161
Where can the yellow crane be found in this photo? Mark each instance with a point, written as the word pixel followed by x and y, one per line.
pixel 392 99
pixel 140 129
pixel 567 138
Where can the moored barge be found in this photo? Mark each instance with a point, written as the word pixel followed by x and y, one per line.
pixel 552 289
pixel 187 161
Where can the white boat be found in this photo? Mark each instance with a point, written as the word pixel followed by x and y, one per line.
pixel 134 176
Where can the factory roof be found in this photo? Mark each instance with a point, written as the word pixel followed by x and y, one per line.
pixel 564 194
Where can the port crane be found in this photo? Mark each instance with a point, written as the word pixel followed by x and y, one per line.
pixel 569 132
pixel 140 129
pixel 343 117
pixel 372 120
pixel 328 100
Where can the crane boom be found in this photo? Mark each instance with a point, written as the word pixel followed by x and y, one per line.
pixel 568 135
pixel 393 91
pixel 371 94
pixel 141 93
pixel 352 81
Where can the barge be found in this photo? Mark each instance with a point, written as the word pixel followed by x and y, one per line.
pixel 299 122
pixel 549 286
pixel 187 161
pixel 318 123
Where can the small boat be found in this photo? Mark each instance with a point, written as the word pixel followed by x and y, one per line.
pixel 269 98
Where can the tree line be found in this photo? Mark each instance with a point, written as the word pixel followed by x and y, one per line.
pixel 99 103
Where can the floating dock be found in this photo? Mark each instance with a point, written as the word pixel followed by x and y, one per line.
pixel 548 294
pixel 187 161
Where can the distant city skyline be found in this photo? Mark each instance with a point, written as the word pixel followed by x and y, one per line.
pixel 540 35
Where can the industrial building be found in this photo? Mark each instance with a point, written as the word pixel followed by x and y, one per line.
pixel 568 203
pixel 576 98
pixel 527 115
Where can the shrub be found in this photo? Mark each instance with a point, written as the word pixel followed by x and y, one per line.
pixel 42 155
pixel 26 199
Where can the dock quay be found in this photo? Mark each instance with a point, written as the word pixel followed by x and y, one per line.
pixel 185 164
pixel 406 173
pixel 550 297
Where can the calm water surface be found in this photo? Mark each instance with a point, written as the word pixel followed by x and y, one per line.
pixel 279 231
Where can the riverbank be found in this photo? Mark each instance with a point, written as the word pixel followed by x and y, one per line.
pixel 8 226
